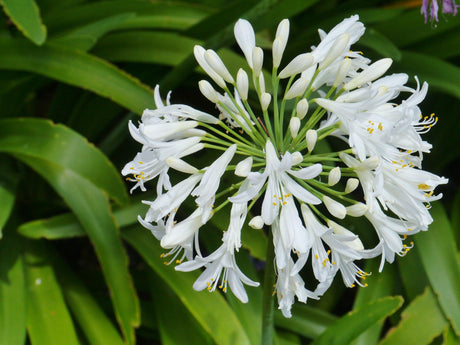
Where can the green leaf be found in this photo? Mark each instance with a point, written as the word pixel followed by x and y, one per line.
pixel 63 147
pixel 439 257
pixel 164 15
pixel 210 310
pixel 92 208
pixel 449 337
pixel 96 326
pixel 439 74
pixel 307 321
pixel 167 308
pixel 67 225
pixel 25 14
pixel 13 301
pixel 48 320
pixel 85 37
pixel 9 179
pixel 379 285
pixel 381 44
pixel 414 327
pixel 347 328
pixel 77 68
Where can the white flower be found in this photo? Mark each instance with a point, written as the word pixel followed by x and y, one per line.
pixel 277 181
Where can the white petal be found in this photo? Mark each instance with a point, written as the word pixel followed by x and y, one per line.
pixel 245 37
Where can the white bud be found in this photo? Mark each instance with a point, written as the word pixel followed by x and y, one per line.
pixel 242 84
pixel 334 176
pixel 355 244
pixel 265 99
pixel 245 37
pixel 277 51
pixel 199 53
pixel 243 168
pixel 257 60
pixel 256 223
pixel 294 125
pixel 297 89
pixel 217 65
pixel 262 83
pixel 299 64
pixel 302 108
pixel 342 72
pixel 352 184
pixel 208 91
pixel 279 44
pixel 335 208
pixel 374 71
pixel 180 165
pixel 297 158
pixel 311 138
pixel 357 210
pixel 337 49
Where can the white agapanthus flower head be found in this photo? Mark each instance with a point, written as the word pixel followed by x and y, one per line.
pixel 307 192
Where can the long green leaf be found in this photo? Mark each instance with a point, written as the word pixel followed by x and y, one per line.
pixel 379 285
pixel 307 321
pixel 79 69
pixel 347 328
pixel 8 181
pixel 25 14
pixel 439 257
pixel 381 44
pixel 63 147
pixel 92 209
pixel 48 319
pixel 440 74
pixel 210 310
pixel 96 326
pixel 13 301
pixel 67 225
pixel 167 307
pixel 421 322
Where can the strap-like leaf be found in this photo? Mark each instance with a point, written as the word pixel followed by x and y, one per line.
pixel 79 69
pixel 25 14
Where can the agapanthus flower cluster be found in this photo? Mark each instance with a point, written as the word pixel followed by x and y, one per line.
pixel 285 177
pixel 430 8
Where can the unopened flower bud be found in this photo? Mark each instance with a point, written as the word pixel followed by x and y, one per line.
pixel 180 165
pixel 262 83
pixel 208 91
pixel 299 64
pixel 374 71
pixel 336 50
pixel 334 176
pixel 342 72
pixel 370 163
pixel 297 89
pixel 297 158
pixel 242 84
pixel 199 53
pixel 335 208
pixel 257 60
pixel 265 99
pixel 302 108
pixel 277 51
pixel 217 65
pixel 256 223
pixel 357 210
pixel 311 138
pixel 355 243
pixel 243 168
pixel 294 125
pixel 352 184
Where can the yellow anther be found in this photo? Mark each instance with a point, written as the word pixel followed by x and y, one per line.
pixel 131 168
pixel 352 285
pixel 404 236
pixel 224 289
pixel 333 262
pixel 366 285
pixel 380 127
pixel 410 229
pixel 141 162
pixel 274 195
pixel 316 256
pixel 284 202
pixel 280 198
pixel 328 252
pixel 274 204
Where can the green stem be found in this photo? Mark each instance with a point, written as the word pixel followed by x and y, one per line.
pixel 268 296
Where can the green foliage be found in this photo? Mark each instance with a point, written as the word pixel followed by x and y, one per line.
pixel 75 266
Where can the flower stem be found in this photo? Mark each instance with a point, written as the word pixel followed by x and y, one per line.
pixel 268 296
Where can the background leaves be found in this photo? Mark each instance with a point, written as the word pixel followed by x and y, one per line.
pixel 72 256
